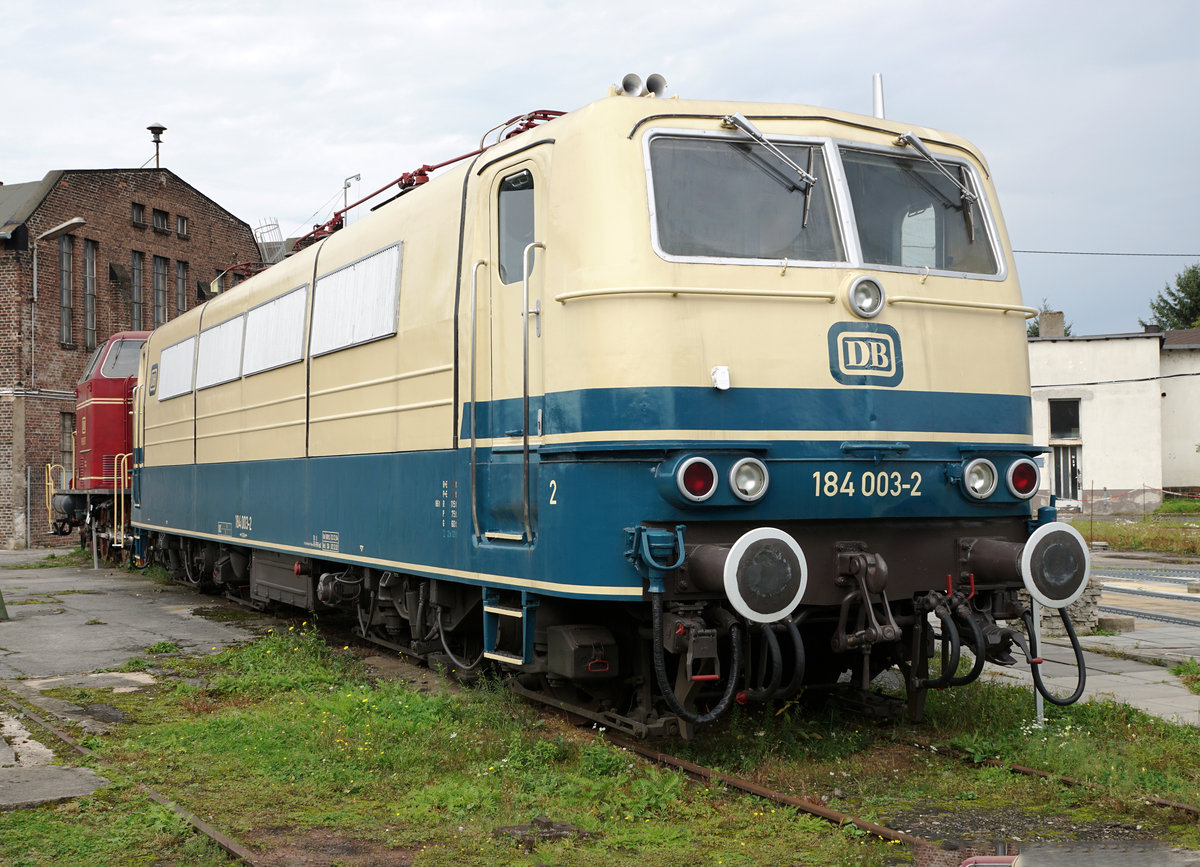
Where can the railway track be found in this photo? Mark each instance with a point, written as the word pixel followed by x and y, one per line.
pixel 651 753
pixel 1164 589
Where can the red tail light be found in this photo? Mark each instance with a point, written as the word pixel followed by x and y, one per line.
pixel 1023 478
pixel 697 479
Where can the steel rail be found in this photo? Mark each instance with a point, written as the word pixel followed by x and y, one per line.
pixel 1149 615
pixel 1150 594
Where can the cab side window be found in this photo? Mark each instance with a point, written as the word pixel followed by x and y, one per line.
pixel 514 210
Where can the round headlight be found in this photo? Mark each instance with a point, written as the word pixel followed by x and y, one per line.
pixel 865 297
pixel 1023 478
pixel 980 478
pixel 696 479
pixel 749 479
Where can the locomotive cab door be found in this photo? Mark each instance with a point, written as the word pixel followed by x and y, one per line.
pixel 509 300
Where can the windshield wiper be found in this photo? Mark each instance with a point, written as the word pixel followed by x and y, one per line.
pixel 968 198
pixel 740 122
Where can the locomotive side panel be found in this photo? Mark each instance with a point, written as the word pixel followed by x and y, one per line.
pixel 382 348
pixel 250 372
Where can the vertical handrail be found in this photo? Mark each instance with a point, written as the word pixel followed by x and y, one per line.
pixel 474 401
pixel 120 486
pixel 136 432
pixel 527 266
pixel 50 490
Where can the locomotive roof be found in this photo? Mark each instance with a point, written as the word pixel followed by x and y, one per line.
pixel 641 112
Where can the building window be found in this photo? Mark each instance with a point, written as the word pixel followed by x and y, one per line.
pixel 160 291
pixel 135 290
pixel 181 225
pixel 160 221
pixel 1064 419
pixel 180 287
pixel 89 294
pixel 66 249
pixel 138 215
pixel 66 443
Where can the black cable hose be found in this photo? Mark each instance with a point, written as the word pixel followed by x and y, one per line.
pixel 660 667
pixel 977 669
pixel 775 661
pixel 950 664
pixel 465 666
pixel 798 664
pixel 1080 665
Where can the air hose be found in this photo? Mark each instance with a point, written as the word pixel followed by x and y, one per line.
pixel 978 644
pixel 949 657
pixel 660 667
pixel 775 663
pixel 1027 617
pixel 792 624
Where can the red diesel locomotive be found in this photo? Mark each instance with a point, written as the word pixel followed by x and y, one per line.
pixel 96 500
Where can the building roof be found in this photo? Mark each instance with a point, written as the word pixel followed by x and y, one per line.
pixel 1157 335
pixel 19 201
pixel 1188 338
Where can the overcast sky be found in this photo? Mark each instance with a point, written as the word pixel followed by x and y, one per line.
pixel 1087 112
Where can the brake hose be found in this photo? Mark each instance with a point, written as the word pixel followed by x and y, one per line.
pixel 798 663
pixel 1035 668
pixel 660 667
pixel 949 660
pixel 977 668
pixel 775 661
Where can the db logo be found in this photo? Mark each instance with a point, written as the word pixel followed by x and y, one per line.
pixel 865 353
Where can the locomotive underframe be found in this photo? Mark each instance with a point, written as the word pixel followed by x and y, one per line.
pixel 867 608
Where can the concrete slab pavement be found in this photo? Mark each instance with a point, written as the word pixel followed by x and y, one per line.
pixel 68 624
pixel 1131 667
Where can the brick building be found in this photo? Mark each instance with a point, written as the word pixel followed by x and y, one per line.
pixel 117 250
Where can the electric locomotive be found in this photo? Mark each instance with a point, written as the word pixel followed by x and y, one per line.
pixel 657 405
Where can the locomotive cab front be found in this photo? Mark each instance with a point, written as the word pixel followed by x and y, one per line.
pixel 103 440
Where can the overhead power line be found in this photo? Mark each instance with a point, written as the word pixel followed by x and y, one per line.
pixel 1100 253
pixel 1115 381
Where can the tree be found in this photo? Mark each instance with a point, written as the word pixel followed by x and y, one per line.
pixel 1034 327
pixel 1179 308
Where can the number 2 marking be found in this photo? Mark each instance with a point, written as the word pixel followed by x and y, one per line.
pixel 553 492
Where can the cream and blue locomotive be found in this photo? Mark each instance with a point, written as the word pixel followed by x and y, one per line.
pixel 658 405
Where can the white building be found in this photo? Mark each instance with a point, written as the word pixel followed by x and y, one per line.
pixel 1121 415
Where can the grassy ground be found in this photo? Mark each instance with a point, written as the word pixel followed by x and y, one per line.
pixel 62 557
pixel 1179 506
pixel 286 742
pixel 1177 537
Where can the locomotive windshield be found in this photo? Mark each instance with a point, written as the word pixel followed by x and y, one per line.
pixel 909 214
pixel 120 361
pixel 725 199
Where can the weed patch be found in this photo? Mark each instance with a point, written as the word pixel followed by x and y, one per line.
pixel 1189 673
pixel 1175 537
pixel 67 557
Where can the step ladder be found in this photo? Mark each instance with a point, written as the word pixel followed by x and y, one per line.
pixel 495 611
